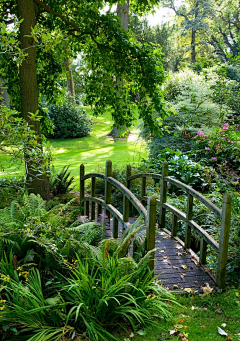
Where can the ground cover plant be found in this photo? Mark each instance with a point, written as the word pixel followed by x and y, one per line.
pixel 63 281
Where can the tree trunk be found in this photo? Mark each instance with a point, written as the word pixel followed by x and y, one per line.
pixel 36 182
pixel 70 82
pixel 122 12
pixel 193 47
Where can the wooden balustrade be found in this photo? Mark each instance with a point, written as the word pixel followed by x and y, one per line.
pixel 150 213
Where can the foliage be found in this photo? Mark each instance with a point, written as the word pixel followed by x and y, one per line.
pixel 181 167
pixel 18 140
pixel 9 189
pixel 69 120
pixel 60 183
pixel 91 292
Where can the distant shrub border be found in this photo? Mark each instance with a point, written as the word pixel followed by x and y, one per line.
pixel 69 121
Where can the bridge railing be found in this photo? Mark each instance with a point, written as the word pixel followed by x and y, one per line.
pixel 150 213
pixel 205 239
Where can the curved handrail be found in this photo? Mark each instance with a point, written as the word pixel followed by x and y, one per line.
pixel 131 197
pixel 93 175
pixel 183 186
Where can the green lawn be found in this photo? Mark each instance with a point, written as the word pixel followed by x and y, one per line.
pixel 197 320
pixel 93 150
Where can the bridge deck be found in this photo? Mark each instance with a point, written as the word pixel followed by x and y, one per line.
pixel 177 268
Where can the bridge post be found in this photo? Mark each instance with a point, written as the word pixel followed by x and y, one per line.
pixel 125 199
pixel 108 187
pixel 143 189
pixel 93 206
pixel 151 228
pixel 223 242
pixel 163 195
pixel 82 190
pixel 188 217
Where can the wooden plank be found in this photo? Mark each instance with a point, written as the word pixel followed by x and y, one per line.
pixel 174 225
pixel 203 251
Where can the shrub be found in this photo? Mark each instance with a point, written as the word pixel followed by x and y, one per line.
pixel 69 121
pixel 61 182
pixel 219 148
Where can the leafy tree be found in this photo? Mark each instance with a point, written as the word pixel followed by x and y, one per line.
pixel 110 51
pixel 194 15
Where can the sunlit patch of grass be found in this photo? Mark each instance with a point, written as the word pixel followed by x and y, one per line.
pixel 94 150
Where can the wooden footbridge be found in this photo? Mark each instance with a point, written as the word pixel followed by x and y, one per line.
pixel 176 264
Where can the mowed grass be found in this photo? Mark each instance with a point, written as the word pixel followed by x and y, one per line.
pixel 93 151
pixel 197 319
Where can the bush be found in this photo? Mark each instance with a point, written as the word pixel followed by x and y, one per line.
pixel 61 182
pixel 69 121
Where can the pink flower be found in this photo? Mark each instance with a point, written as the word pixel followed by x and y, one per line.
pixel 225 125
pixel 224 128
pixel 217 146
pixel 231 141
pixel 200 133
pixel 214 158
pixel 209 142
pixel 207 148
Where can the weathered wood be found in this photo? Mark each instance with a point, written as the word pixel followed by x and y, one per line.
pixel 131 197
pixel 125 208
pixel 95 175
pixel 188 217
pixel 115 227
pixel 143 190
pixel 174 226
pixel 151 228
pixel 108 187
pixel 146 175
pixel 196 195
pixel 99 210
pixel 82 189
pixel 128 176
pixel 203 251
pixel 87 209
pixel 163 195
pixel 224 239
pixel 93 184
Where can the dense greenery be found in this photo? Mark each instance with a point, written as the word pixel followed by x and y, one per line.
pixel 69 121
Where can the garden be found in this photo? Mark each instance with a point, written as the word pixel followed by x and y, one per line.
pixel 78 86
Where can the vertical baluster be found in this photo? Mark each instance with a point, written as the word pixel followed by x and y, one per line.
pixel 224 239
pixel 189 217
pixel 108 187
pixel 115 227
pixel 174 225
pixel 203 251
pixel 87 209
pixel 163 195
pixel 125 209
pixel 143 190
pixel 128 174
pixel 92 196
pixel 151 228
pixel 99 210
pixel 82 190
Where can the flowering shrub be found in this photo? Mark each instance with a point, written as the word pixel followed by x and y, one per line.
pixel 220 148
